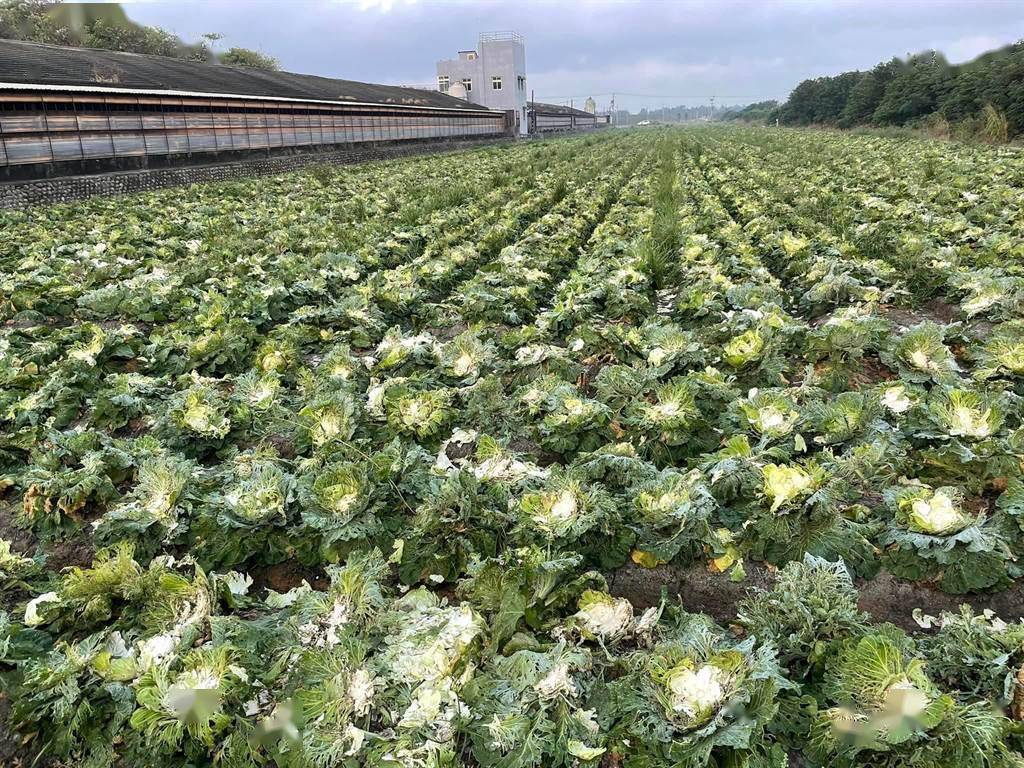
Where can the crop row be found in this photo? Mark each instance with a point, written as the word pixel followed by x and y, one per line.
pixel 344 463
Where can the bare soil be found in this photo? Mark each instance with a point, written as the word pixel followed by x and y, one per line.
pixel 885 598
pixel 872 371
pixel 936 310
pixel 697 589
pixel 77 551
pixel 21 540
pixel 287 575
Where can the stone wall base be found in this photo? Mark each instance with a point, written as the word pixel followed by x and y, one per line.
pixel 23 194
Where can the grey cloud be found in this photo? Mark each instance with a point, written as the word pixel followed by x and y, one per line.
pixel 662 52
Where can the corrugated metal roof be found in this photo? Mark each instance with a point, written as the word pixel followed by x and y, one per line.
pixel 557 109
pixel 37 64
pixel 94 89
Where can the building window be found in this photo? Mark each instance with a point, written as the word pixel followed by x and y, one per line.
pixel 443 83
pixel 496 83
pixel 521 82
pixel 468 82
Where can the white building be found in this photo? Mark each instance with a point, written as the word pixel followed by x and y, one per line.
pixel 493 75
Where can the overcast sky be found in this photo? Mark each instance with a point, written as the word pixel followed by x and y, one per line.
pixel 651 53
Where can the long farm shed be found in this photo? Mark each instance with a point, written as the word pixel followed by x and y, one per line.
pixel 554 118
pixel 84 110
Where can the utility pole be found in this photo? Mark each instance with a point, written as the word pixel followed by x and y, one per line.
pixel 614 116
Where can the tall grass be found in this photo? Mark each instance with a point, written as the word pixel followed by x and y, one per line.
pixel 658 252
pixel 418 206
pixel 559 191
pixel 995 127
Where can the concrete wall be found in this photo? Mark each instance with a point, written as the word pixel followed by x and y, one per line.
pixel 58 190
pixel 461 69
pixel 496 58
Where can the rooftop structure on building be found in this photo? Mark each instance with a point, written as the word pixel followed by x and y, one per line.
pixel 493 74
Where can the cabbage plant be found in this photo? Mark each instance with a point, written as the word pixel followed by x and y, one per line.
pixel 933 536
pixel 697 696
pixel 530 709
pixel 884 708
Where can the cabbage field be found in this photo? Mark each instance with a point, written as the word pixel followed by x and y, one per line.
pixel 657 449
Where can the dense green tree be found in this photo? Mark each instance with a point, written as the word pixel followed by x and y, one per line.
pixel 131 39
pixel 243 57
pixel 995 78
pixel 90 25
pixel 33 20
pixel 819 101
pixel 985 91
pixel 867 93
pixel 752 113
pixel 799 108
pixel 833 93
pixel 916 91
pixel 106 26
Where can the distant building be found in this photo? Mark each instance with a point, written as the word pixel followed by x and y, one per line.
pixel 554 118
pixel 493 75
pixel 590 105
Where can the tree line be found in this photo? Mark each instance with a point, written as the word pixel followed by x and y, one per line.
pixel 983 98
pixel 677 114
pixel 106 26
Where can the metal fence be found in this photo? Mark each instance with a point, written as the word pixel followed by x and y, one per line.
pixel 502 36
pixel 53 126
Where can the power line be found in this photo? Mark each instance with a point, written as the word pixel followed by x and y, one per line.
pixel 664 96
